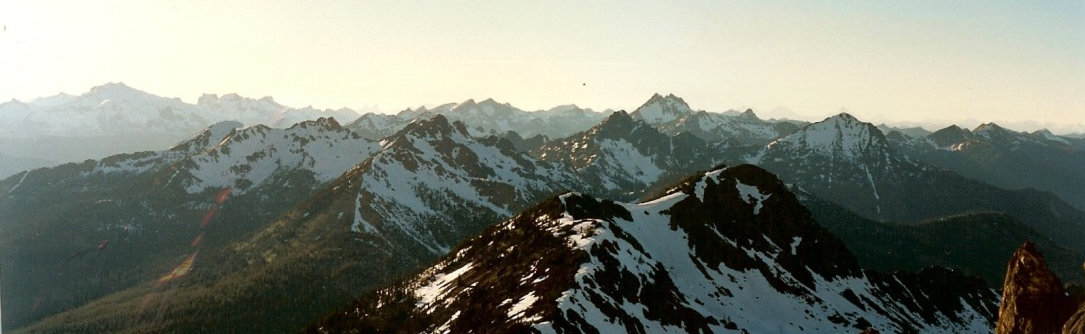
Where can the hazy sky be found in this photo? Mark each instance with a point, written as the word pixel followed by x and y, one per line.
pixel 881 60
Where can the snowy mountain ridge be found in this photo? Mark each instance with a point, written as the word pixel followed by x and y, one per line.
pixel 488 117
pixel 115 118
pixel 671 115
pixel 117 109
pixel 434 169
pixel 757 263
pixel 623 153
pixel 229 155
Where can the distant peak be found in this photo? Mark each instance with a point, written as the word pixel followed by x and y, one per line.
pixel 436 125
pixel 661 109
pixel 111 85
pixel 988 127
pixel 748 114
pixel 322 123
pixel 115 90
pixel 618 116
pixel 207 99
pixel 669 97
pixel 953 129
pixel 565 108
pixel 841 133
pixel 950 135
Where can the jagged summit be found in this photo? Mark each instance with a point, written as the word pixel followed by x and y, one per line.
pixel 617 124
pixel 322 123
pixel 623 152
pixel 662 109
pixel 1033 299
pixel 489 117
pixel 434 126
pixel 749 115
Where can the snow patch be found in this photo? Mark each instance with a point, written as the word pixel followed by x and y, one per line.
pixel 17 184
pixel 437 288
pixel 525 302
pixel 751 195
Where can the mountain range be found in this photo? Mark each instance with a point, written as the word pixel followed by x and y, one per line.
pixel 729 249
pixel 249 227
pixel 114 118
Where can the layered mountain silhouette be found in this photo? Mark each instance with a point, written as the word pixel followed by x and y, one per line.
pixel 487 117
pixel 115 118
pixel 851 163
pixel 259 228
pixel 1005 158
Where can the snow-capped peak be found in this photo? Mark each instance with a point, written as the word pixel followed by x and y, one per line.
pixel 842 133
pixel 118 91
pixel 661 109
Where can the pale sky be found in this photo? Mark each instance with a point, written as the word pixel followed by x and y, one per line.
pixel 1007 62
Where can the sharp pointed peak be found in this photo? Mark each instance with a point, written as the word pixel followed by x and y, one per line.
pixel 748 114
pixel 661 109
pixel 620 115
pixel 656 97
pixel 841 132
pixel 323 123
pixel 617 120
pixel 434 125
